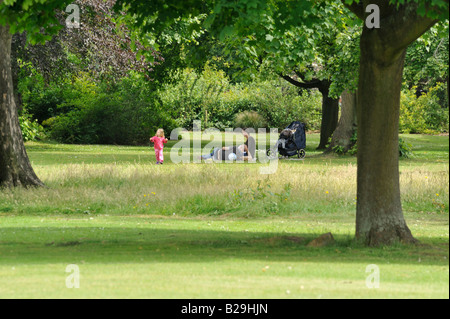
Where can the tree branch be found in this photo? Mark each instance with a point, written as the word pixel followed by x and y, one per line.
pixel 400 25
pixel 356 8
pixel 314 84
pixel 405 26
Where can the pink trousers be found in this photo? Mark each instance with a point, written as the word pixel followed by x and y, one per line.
pixel 159 155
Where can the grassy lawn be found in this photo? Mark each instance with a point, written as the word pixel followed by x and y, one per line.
pixel 140 230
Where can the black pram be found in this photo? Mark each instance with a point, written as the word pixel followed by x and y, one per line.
pixel 292 141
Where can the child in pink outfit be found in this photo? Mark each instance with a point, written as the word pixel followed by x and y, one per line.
pixel 159 140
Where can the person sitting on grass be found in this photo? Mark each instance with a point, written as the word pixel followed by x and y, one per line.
pixel 244 151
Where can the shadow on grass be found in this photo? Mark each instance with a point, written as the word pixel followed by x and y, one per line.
pixel 120 245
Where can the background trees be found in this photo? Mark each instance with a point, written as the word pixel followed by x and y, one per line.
pixel 102 45
pixel 382 53
pixel 308 43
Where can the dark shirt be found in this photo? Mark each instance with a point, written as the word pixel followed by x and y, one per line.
pixel 251 145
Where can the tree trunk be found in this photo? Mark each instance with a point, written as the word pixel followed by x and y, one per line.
pixel 379 215
pixel 347 123
pixel 330 115
pixel 15 167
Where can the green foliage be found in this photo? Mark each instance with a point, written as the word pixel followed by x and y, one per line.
pixel 31 130
pixel 80 109
pixel 197 97
pixel 280 103
pixel 354 149
pixel 96 113
pixel 40 99
pixel 353 142
pixel 249 119
pixel 22 15
pixel 427 59
pixel 211 98
pixel 404 148
pixel 434 9
pixel 339 149
pixel 426 114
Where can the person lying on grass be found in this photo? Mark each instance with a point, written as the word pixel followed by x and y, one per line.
pixel 244 151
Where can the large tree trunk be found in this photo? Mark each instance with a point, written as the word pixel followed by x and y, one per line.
pixel 343 134
pixel 15 167
pixel 379 215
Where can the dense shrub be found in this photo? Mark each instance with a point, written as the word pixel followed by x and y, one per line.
pixel 127 113
pixel 426 114
pixel 79 109
pixel 280 103
pixel 31 129
pixel 249 119
pixel 213 100
pixel 39 98
pixel 404 148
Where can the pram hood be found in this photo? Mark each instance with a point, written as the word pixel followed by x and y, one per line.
pixel 298 136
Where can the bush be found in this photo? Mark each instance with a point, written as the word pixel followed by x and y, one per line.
pixel 40 99
pixel 248 119
pixel 280 103
pixel 127 114
pixel 404 149
pixel 31 130
pixel 212 99
pixel 424 114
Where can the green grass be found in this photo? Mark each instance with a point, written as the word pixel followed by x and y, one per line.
pixel 138 230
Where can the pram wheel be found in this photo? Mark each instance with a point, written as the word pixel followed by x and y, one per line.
pixel 301 153
pixel 271 153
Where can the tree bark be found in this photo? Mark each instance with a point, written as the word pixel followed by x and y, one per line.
pixel 379 215
pixel 347 123
pixel 330 115
pixel 15 167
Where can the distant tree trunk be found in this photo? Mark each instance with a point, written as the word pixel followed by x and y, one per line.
pixel 330 115
pixel 15 167
pixel 347 123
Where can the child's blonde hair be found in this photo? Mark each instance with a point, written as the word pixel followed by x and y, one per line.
pixel 160 132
